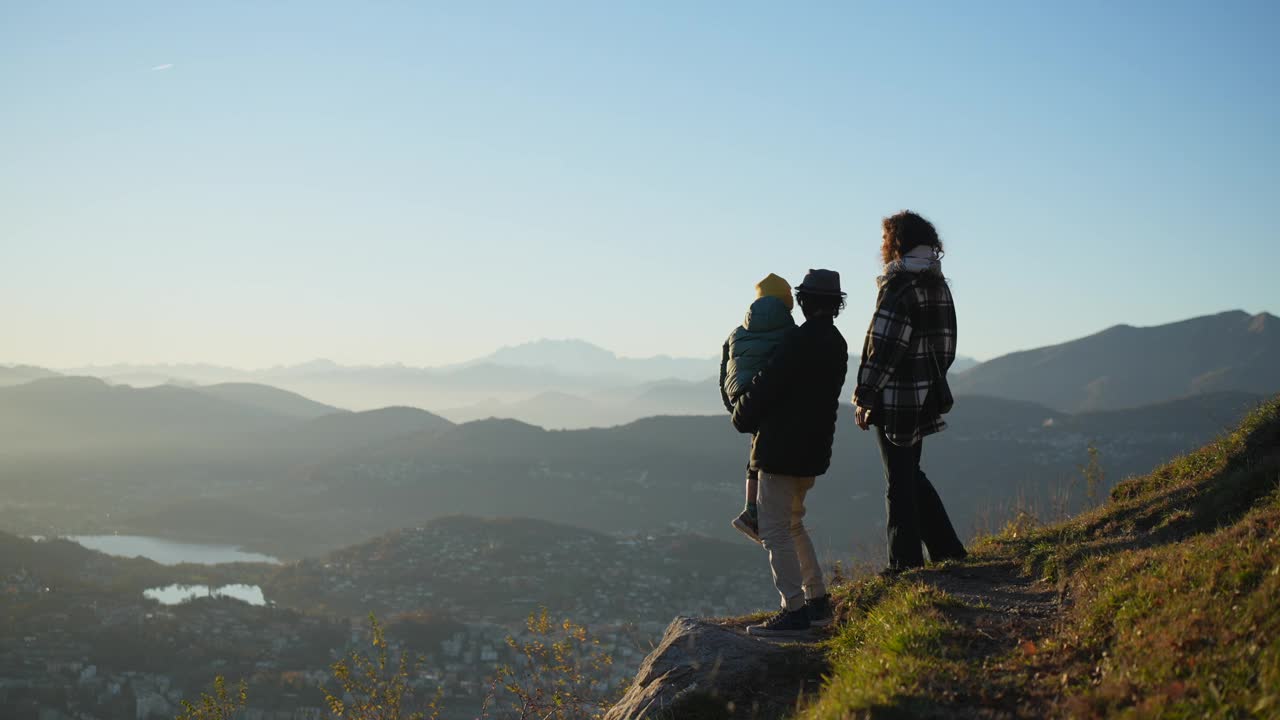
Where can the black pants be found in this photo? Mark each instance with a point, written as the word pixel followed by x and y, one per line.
pixel 915 511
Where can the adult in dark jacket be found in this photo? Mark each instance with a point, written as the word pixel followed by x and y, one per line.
pixel 909 347
pixel 791 412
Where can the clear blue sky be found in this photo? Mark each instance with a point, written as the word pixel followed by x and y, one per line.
pixel 255 183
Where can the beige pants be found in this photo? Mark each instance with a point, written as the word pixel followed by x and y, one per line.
pixel 796 572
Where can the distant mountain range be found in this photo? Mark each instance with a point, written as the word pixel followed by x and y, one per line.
pixel 625 477
pixel 1127 366
pixel 574 384
pixel 605 408
pixel 262 467
pixel 552 383
pixel 270 467
pixel 270 399
pixel 81 414
pixel 576 357
pixel 559 383
pixel 553 357
pixel 19 374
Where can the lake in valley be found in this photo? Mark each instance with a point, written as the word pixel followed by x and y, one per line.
pixel 168 552
pixel 177 594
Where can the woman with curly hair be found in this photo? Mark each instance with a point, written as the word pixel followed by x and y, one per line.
pixel 902 386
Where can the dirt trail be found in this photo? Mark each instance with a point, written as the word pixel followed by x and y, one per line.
pixel 1003 621
pixel 1000 587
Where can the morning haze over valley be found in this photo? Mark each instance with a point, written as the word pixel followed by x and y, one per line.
pixel 307 458
pixel 639 361
pixel 546 467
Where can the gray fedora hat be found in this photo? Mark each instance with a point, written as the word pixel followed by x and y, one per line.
pixel 821 282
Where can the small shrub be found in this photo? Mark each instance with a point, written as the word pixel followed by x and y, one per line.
pixel 1022 525
pixel 221 705
pixel 377 685
pixel 563 673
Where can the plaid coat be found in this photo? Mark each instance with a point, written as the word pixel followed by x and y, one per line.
pixel 914 312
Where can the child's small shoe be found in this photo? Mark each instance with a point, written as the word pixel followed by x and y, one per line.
pixel 748 525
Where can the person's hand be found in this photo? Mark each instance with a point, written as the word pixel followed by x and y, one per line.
pixel 862 416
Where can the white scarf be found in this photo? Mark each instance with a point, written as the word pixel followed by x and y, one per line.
pixel 921 258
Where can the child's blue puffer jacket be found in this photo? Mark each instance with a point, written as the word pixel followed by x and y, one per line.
pixel 750 346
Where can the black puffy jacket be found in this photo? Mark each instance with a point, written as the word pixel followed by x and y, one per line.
pixel 792 405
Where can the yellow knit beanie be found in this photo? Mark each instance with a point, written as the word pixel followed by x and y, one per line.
pixel 774 286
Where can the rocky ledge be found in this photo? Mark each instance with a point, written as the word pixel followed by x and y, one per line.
pixel 704 670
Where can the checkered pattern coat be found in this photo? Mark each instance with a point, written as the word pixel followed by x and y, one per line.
pixel 913 313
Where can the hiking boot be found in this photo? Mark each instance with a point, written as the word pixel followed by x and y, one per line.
pixel 819 611
pixel 782 624
pixel 748 525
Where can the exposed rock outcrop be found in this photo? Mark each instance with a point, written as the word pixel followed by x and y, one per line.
pixel 708 671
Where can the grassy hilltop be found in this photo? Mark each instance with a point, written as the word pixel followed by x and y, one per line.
pixel 1160 603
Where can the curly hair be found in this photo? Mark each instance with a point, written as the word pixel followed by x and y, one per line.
pixel 903 232
pixel 817 305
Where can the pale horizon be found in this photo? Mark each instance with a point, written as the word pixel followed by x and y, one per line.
pixel 6 362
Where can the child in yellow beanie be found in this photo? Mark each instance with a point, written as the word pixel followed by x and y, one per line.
pixel 746 353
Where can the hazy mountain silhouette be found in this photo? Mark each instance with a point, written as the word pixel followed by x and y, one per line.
pixel 72 413
pixel 699 437
pixel 577 357
pixel 19 374
pixel 77 454
pixel 552 383
pixel 75 414
pixel 678 397
pixel 271 399
pixel 569 356
pixel 547 409
pixel 347 430
pixel 572 384
pixel 560 410
pixel 624 478
pixel 146 374
pixel 1127 366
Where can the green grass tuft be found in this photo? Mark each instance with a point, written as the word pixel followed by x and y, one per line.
pixel 894 645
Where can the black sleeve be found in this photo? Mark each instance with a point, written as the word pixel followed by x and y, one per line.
pixel 844 366
pixel 724 375
pixel 768 385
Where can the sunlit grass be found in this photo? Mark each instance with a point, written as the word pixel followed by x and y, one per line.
pixel 890 653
